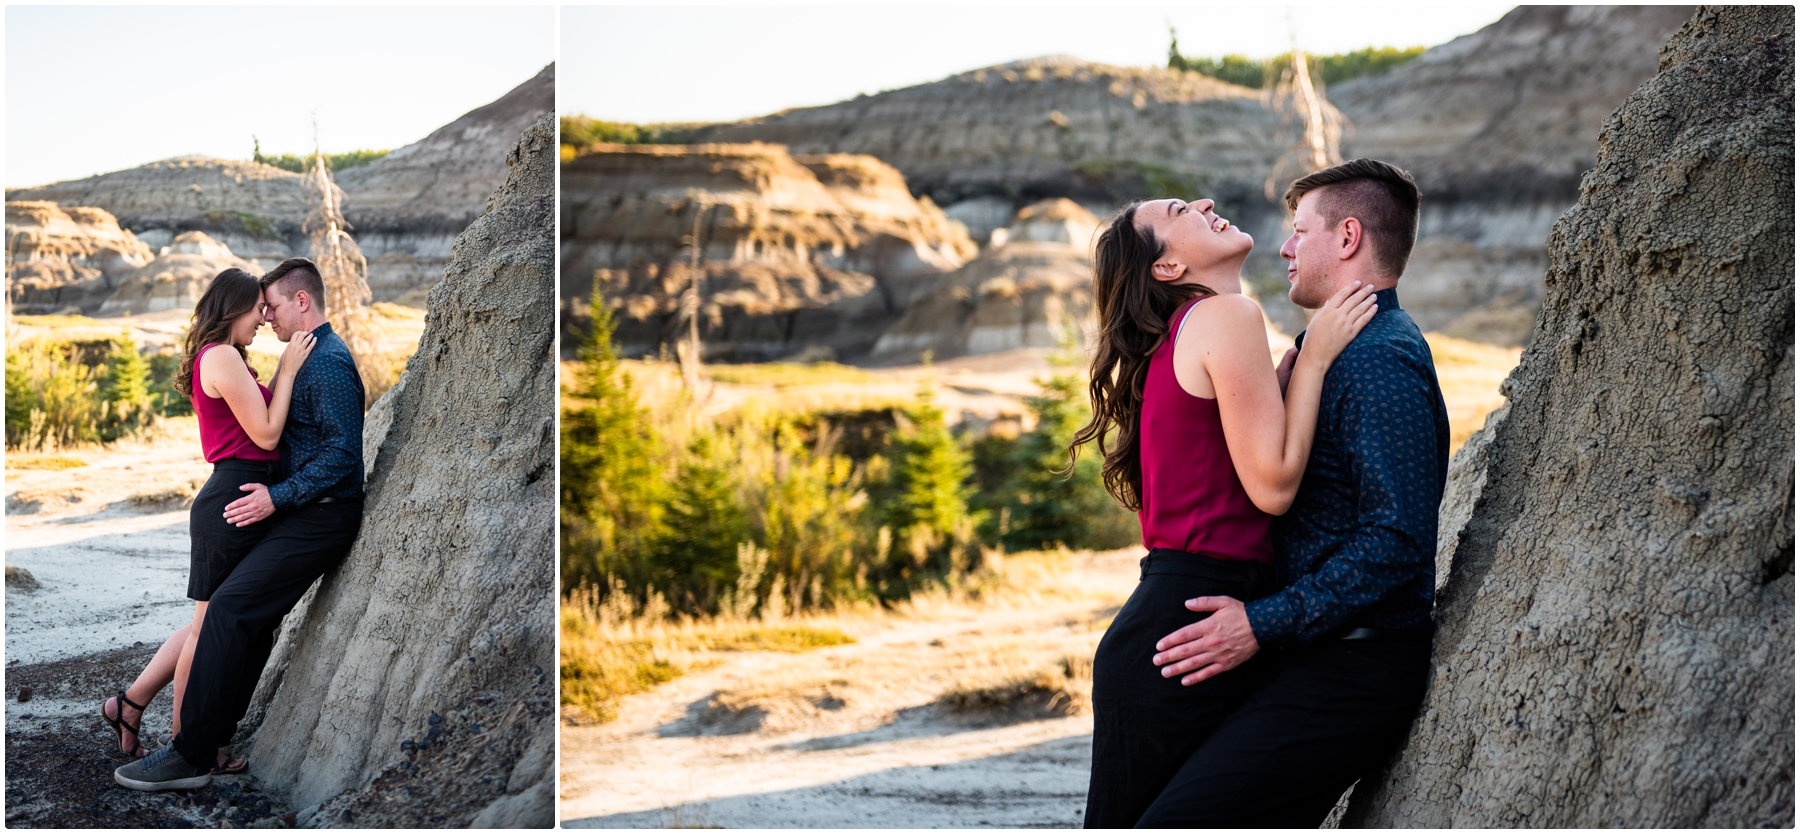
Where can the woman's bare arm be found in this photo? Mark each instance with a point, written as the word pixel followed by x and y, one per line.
pixel 1269 438
pixel 224 371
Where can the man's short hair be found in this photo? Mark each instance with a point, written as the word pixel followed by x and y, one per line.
pixel 1380 196
pixel 294 275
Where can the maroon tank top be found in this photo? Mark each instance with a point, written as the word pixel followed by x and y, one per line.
pixel 1192 498
pixel 221 435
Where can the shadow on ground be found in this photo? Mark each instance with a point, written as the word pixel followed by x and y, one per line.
pixel 1041 786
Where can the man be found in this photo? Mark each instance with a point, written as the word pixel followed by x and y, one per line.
pixel 1349 637
pixel 317 507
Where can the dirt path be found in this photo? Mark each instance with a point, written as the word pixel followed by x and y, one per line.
pixel 106 545
pixel 859 736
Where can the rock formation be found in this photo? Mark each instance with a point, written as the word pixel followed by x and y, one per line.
pixel 58 258
pixel 416 685
pixel 405 209
pixel 176 279
pixel 1616 635
pixel 820 252
pixel 1032 288
pixel 1498 127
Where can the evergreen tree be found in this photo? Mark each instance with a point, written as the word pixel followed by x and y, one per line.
pixel 20 398
pixel 696 557
pixel 125 392
pixel 1050 503
pixel 932 473
pixel 612 486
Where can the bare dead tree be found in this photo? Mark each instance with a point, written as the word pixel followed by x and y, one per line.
pixel 688 352
pixel 1312 127
pixel 345 272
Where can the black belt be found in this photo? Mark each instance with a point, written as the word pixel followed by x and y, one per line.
pixel 1385 635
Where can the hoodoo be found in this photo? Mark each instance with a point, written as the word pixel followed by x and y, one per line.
pixel 416 686
pixel 1616 635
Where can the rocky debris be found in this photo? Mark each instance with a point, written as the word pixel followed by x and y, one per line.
pixel 58 258
pixel 812 251
pixel 407 208
pixel 20 579
pixel 177 278
pixel 1616 636
pixel 449 594
pixel 1033 287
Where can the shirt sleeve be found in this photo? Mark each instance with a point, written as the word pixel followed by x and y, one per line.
pixel 1386 411
pixel 339 408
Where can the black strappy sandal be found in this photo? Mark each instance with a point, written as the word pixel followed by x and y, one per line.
pixel 119 724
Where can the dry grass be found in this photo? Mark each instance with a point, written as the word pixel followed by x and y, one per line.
pixel 788 374
pixel 1470 374
pixel 611 648
pixel 43 462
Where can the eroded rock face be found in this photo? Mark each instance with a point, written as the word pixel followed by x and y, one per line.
pixel 407 208
pixel 416 686
pixel 1032 288
pixel 59 258
pixel 814 252
pixel 177 278
pixel 1497 127
pixel 1616 638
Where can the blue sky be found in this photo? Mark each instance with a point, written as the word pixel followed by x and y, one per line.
pixel 710 63
pixel 91 89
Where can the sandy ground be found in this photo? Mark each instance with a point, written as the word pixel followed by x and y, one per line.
pixel 107 544
pixel 856 736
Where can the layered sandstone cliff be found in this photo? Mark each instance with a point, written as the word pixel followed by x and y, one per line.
pixel 819 252
pixel 1033 287
pixel 416 685
pixel 1616 631
pixel 405 209
pixel 176 279
pixel 59 258
pixel 1497 125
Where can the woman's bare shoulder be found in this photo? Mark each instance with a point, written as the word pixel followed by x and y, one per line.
pixel 1230 309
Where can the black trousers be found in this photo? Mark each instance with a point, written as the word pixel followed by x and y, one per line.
pixel 1146 726
pixel 244 614
pixel 1317 719
pixel 217 545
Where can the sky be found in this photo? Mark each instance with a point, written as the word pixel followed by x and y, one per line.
pixel 92 89
pixel 713 63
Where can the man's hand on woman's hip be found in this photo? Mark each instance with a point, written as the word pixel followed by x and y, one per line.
pixel 251 508
pixel 1217 644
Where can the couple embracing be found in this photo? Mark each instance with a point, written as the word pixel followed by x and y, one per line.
pixel 1276 647
pixel 282 507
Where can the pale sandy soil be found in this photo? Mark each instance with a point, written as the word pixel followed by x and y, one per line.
pixel 857 736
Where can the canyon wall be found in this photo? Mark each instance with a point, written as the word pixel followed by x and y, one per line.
pixel 1616 628
pixel 405 209
pixel 816 253
pixel 60 258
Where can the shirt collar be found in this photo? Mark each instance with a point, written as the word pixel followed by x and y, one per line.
pixel 324 330
pixel 1385 300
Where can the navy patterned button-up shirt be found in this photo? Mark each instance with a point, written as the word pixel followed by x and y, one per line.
pixel 1358 547
pixel 321 445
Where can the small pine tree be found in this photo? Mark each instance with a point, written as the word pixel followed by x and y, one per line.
pixel 21 398
pixel 125 392
pixel 932 474
pixel 697 555
pixel 612 487
pixel 1050 503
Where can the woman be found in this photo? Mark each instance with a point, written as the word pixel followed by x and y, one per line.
pixel 1207 451
pixel 240 425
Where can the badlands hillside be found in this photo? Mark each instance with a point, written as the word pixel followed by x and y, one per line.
pixel 1498 126
pixel 406 209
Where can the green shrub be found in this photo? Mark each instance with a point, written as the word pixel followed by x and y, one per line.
pixel 1328 69
pixel 64 393
pixel 581 131
pixel 298 164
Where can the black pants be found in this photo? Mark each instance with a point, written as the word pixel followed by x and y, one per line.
pixel 245 611
pixel 1147 726
pixel 218 545
pixel 1317 719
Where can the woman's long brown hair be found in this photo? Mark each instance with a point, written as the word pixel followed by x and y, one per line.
pixel 232 293
pixel 1134 310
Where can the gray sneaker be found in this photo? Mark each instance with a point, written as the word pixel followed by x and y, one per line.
pixel 164 770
